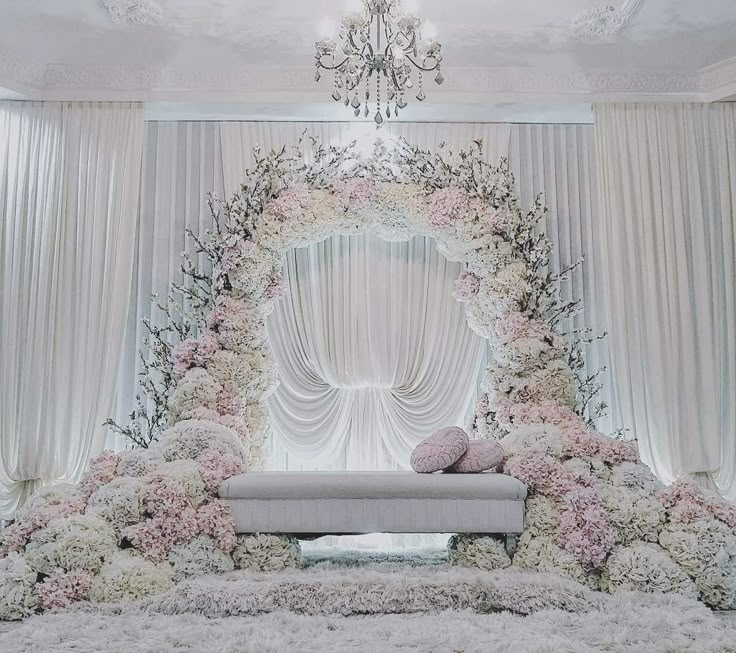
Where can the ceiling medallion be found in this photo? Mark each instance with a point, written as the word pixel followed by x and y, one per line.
pixel 604 21
pixel 138 12
pixel 385 42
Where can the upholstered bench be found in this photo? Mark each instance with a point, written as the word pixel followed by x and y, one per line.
pixel 321 503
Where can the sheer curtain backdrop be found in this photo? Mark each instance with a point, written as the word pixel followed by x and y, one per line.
pixel 373 352
pixel 668 199
pixel 69 181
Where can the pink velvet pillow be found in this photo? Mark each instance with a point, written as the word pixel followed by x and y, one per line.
pixel 480 456
pixel 439 450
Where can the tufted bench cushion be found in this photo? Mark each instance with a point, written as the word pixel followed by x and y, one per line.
pixel 373 502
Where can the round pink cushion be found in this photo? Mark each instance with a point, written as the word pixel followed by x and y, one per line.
pixel 480 456
pixel 439 450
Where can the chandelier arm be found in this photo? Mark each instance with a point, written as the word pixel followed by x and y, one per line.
pixel 335 67
pixel 422 68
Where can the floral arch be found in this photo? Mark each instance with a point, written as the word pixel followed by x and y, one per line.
pixel 143 519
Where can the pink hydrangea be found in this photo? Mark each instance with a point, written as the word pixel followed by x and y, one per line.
pixel 588 444
pixel 155 538
pixel 215 467
pixel 164 496
pixel 584 528
pixel 467 286
pixel 512 413
pixel 722 510
pixel 448 204
pixel 196 352
pixel 229 402
pixel 291 204
pixel 501 219
pixel 519 325
pixel 58 591
pixel 233 255
pixel 17 535
pixel 681 490
pixel 216 521
pixel 541 473
pixel 228 309
pixel 354 193
pixel 101 472
pixel 276 288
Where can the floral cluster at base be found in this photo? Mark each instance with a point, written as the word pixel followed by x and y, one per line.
pixel 138 522
pixel 264 552
pixel 597 514
pixel 481 551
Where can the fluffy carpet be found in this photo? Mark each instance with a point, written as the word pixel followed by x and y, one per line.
pixel 371 603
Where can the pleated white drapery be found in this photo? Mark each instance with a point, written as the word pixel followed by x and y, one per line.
pixel 182 164
pixel 668 197
pixel 374 354
pixel 69 181
pixel 559 162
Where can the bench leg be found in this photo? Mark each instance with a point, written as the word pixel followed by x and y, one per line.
pixel 511 541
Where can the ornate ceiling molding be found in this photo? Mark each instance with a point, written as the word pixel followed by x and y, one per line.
pixel 137 12
pixel 606 20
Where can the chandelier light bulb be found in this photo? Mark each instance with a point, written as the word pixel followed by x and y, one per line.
pixel 380 52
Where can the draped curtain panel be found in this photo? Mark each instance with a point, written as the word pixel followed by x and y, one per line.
pixel 558 161
pixel 69 183
pixel 182 165
pixel 374 353
pixel 668 200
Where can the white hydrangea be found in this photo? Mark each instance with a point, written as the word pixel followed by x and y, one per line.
pixel 523 355
pixel 138 462
pixel 717 586
pixel 600 470
pixel 645 568
pixel 250 279
pixel 127 576
pixel 197 558
pixel 542 516
pixel 553 382
pixel 50 495
pixel 230 370
pixel 72 543
pixel 479 551
pixel 243 331
pixel 187 439
pixel 542 554
pixel 264 552
pixel 698 544
pixel 635 475
pixel 541 437
pixel 18 591
pixel 498 295
pixel 197 389
pixel 186 473
pixel 635 515
pixel 118 502
pixel 257 419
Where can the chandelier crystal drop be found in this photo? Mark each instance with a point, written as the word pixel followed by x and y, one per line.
pixel 380 50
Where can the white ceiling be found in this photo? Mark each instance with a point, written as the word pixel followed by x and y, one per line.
pixel 253 58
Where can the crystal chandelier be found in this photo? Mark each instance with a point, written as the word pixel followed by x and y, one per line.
pixel 380 40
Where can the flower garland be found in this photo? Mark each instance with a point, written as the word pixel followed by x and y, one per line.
pixel 144 519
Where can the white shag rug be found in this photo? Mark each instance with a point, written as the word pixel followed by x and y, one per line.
pixel 361 602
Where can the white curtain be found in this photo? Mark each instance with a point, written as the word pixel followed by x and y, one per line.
pixel 374 353
pixel 182 164
pixel 69 181
pixel 668 198
pixel 559 162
